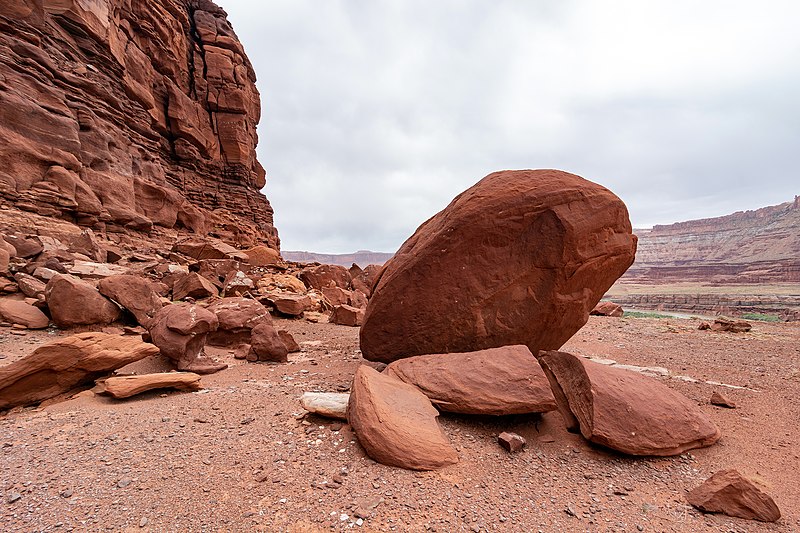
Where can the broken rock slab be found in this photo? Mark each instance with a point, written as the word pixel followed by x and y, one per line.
pixel 180 332
pixel 136 294
pixel 730 493
pixel 22 313
pixel 127 386
pixel 347 315
pixel 511 442
pixel 65 363
pixel 607 309
pixel 623 410
pixel 327 404
pixel 396 424
pixel 497 381
pixel 75 302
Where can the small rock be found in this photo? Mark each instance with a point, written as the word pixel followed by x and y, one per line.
pixel 13 497
pixel 717 398
pixel 66 493
pixel 143 522
pixel 124 482
pixel 512 442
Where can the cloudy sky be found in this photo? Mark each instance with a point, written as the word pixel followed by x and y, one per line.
pixel 377 113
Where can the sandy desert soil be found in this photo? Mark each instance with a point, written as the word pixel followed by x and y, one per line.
pixel 240 456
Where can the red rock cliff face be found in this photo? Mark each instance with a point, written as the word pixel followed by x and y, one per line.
pixel 131 114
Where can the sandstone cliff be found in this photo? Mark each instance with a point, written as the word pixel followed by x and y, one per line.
pixel 130 115
pixel 761 246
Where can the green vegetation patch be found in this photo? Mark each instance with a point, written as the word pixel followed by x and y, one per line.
pixel 761 317
pixel 644 314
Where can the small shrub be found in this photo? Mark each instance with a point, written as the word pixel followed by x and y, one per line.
pixel 761 317
pixel 644 314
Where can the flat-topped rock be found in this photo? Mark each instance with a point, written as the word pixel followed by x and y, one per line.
pixel 730 493
pixel 127 386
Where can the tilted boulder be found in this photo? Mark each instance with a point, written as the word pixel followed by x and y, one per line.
pixel 497 381
pixel 624 410
pixel 237 317
pixel 22 313
pixel 320 276
pixel 211 249
pixel 65 363
pixel 262 256
pixel 180 331
pixel 519 258
pixel 288 341
pixel 266 344
pixel 722 323
pixel 136 294
pixel 396 424
pixel 74 302
pixel 289 304
pixel 607 309
pixel 347 315
pixel 192 285
pixel 730 493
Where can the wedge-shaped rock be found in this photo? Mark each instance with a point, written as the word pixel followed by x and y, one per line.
pixel 180 331
pixel 65 363
pixel 519 258
pixel 624 410
pixel 136 294
pixel 497 381
pixel 730 493
pixel 23 313
pixel 396 424
pixel 127 386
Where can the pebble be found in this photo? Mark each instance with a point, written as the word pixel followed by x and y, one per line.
pixel 124 482
pixel 13 497
pixel 66 493
pixel 143 522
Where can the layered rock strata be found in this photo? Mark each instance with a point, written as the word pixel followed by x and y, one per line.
pixel 131 116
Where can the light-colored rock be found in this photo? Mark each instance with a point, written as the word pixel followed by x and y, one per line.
pixel 92 270
pixel 327 404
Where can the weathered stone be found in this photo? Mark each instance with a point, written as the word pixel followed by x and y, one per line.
pixel 327 404
pixel 624 410
pixel 519 258
pixel 266 344
pixel 288 341
pixel 209 249
pixel 192 285
pixel 717 398
pixel 289 304
pixel 180 331
pixel 318 277
pixel 25 246
pixel 237 283
pixel 29 285
pixel 74 302
pixel 607 309
pixel 346 315
pixel 396 424
pixel 497 381
pixel 65 363
pixel 730 493
pixel 512 442
pixel 722 323
pixel 237 317
pixel 136 294
pixel 281 283
pixel 92 270
pixel 262 256
pixel 127 386
pixel 20 312
pixel 336 296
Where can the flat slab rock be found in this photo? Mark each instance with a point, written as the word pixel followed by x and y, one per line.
pixel 521 257
pixel 327 404
pixel 623 410
pixel 65 363
pixel 127 386
pixel 396 424
pixel 497 381
pixel 730 493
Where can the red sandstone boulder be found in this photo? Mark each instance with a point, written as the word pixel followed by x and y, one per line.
pixel 730 493
pixel 266 344
pixel 289 304
pixel 336 296
pixel 237 317
pixel 288 341
pixel 723 323
pixel 126 386
pixel 5 257
pixel 211 249
pixel 318 277
pixel 74 302
pixel 519 258
pixel 22 313
pixel 346 315
pixel 262 256
pixel 237 283
pixel 623 410
pixel 65 363
pixel 497 381
pixel 180 332
pixel 136 294
pixel 25 246
pixel 396 424
pixel 607 309
pixel 29 285
pixel 192 285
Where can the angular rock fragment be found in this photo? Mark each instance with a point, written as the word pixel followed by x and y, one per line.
pixel 318 277
pixel 192 285
pixel 288 341
pixel 237 317
pixel 623 410
pixel 262 256
pixel 719 399
pixel 290 304
pixel 180 331
pixel 74 302
pixel 396 424
pixel 29 285
pixel 22 313
pixel 211 249
pixel 607 309
pixel 347 315
pixel 136 294
pixel 327 404
pixel 519 258
pixel 497 381
pixel 127 386
pixel 730 493
pixel 266 344
pixel 512 442
pixel 722 323
pixel 65 363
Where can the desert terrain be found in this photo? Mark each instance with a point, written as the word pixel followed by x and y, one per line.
pixel 240 455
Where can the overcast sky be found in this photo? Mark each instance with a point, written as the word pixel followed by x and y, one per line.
pixel 377 113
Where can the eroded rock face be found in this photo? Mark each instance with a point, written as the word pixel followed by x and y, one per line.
pixel 497 381
pixel 730 493
pixel 134 293
pixel 65 363
pixel 396 424
pixel 180 332
pixel 623 410
pixel 237 317
pixel 129 115
pixel 519 258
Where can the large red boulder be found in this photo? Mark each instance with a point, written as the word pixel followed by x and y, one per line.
pixel 519 258
pixel 22 313
pixel 396 424
pixel 180 332
pixel 317 277
pixel 730 493
pixel 497 381
pixel 624 410
pixel 266 344
pixel 136 294
pixel 74 302
pixel 237 317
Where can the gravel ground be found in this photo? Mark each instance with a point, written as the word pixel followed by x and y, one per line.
pixel 241 456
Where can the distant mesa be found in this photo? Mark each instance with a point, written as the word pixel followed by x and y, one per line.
pixel 361 258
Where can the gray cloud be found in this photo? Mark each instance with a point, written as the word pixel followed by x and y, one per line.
pixel 376 114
